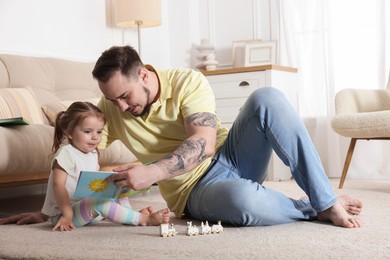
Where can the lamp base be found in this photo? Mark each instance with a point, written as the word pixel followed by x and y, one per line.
pixel 139 23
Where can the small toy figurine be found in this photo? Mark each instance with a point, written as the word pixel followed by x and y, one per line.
pixel 205 229
pixel 217 228
pixel 167 230
pixel 192 230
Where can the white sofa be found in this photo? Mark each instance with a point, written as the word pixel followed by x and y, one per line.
pixel 28 87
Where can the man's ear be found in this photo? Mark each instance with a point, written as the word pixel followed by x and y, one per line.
pixel 144 75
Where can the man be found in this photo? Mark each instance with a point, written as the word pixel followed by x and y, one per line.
pixel 167 119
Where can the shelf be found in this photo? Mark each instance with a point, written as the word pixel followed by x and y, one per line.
pixel 230 70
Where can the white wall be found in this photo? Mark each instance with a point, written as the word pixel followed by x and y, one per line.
pixel 72 29
pixel 82 29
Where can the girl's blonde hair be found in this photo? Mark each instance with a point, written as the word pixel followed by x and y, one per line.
pixel 67 120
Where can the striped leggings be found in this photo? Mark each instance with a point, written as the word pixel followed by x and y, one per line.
pixel 91 210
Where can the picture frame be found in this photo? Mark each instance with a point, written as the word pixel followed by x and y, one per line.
pixel 254 53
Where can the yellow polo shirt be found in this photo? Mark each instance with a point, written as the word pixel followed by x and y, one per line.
pixel 151 137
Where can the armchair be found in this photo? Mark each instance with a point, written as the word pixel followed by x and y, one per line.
pixel 361 114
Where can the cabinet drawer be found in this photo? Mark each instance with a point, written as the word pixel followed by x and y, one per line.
pixel 230 89
pixel 227 109
pixel 239 85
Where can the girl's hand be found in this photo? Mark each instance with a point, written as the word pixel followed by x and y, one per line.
pixel 64 224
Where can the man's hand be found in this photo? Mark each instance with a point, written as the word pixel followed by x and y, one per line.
pixel 25 218
pixel 137 177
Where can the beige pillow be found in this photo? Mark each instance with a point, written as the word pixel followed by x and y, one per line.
pixel 51 110
pixel 20 102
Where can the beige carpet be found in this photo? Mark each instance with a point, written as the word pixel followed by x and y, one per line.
pixel 301 240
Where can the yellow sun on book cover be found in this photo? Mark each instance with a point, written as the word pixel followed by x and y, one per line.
pixel 98 185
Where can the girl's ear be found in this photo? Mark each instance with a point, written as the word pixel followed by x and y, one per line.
pixel 68 135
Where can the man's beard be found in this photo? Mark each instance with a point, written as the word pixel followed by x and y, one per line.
pixel 147 106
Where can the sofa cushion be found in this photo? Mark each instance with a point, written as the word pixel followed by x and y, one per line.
pixel 51 110
pixel 25 149
pixel 94 101
pixel 4 76
pixel 20 102
pixel 65 79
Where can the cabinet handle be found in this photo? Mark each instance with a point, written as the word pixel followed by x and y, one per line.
pixel 243 84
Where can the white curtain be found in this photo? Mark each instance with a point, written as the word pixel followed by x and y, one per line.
pixel 336 44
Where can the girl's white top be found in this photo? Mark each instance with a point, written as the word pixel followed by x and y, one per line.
pixel 72 160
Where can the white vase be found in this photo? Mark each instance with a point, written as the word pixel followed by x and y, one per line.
pixel 206 55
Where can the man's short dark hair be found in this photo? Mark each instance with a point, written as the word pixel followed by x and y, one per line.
pixel 122 58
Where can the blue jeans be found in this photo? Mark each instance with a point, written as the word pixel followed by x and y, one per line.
pixel 231 189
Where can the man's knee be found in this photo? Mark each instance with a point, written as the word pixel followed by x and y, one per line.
pixel 267 95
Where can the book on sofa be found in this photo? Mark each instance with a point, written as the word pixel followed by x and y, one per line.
pixel 13 121
pixel 93 184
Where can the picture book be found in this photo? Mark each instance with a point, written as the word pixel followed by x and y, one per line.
pixel 94 184
pixel 13 121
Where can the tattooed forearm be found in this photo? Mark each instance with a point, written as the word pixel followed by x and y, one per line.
pixel 202 119
pixel 190 152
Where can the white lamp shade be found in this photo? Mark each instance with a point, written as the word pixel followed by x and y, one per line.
pixel 131 13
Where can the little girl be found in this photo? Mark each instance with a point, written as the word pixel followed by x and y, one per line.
pixel 78 131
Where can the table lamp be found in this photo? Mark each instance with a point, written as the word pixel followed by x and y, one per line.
pixel 137 14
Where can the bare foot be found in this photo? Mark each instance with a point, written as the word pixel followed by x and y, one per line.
pixel 351 205
pixel 147 210
pixel 155 218
pixel 25 218
pixel 339 216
